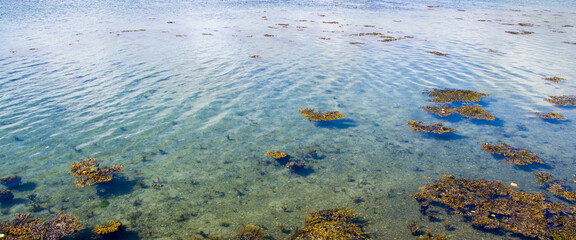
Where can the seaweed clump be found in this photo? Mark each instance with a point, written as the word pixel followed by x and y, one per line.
pixel 438 53
pixel 113 226
pixel 250 232
pixel 451 96
pixel 454 95
pixel 88 172
pixel 554 79
pixel 25 228
pixel 284 159
pixel 317 116
pixel 435 128
pixel 512 155
pixel 11 181
pixel 339 223
pixel 276 154
pixel 555 187
pixel 551 115
pixel 492 205
pixel 562 100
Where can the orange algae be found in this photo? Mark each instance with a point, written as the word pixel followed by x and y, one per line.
pixel 435 128
pixel 113 226
pixel 454 95
pixel 88 172
pixel 551 115
pixel 276 154
pixel 26 228
pixel 562 100
pixel 334 224
pixel 492 205
pixel 317 116
pixel 512 155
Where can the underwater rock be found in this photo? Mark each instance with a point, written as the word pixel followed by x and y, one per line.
pixel 11 181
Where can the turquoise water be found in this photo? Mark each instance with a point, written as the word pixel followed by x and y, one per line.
pixel 169 89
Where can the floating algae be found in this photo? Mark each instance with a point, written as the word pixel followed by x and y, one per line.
pixel 551 115
pixel 435 128
pixel 512 155
pixel 562 100
pixel 454 95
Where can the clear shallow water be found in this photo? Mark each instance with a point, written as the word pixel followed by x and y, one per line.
pixel 183 104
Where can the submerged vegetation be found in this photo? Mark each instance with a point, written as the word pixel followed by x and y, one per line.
pixel 454 95
pixel 317 116
pixel 492 205
pixel 26 228
pixel 435 128
pixel 88 172
pixel 250 232
pixel 554 79
pixel 276 154
pixel 476 111
pixel 438 53
pixel 512 155
pixel 113 226
pixel 339 223
pixel 551 115
pixel 562 100
pixel 554 186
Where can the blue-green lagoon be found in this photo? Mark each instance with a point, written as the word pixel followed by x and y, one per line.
pixel 190 95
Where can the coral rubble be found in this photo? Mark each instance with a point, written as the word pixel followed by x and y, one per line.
pixel 22 227
pixel 562 100
pixel 340 223
pixel 317 116
pixel 492 205
pixel 551 115
pixel 435 128
pixel 113 226
pixel 512 155
pixel 88 172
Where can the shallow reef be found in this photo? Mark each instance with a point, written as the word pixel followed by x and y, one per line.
pixel 492 205
pixel 23 227
pixel 551 115
pixel 562 100
pixel 88 172
pixel 317 116
pixel 434 128
pixel 512 155
pixel 339 223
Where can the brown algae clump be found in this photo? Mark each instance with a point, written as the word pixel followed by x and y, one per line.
pixel 454 95
pixel 512 155
pixel 554 79
pixel 435 128
pixel 438 53
pixel 543 178
pixel 442 110
pixel 337 223
pixel 551 115
pixel 519 33
pixel 562 100
pixel 276 154
pixel 493 205
pixel 25 227
pixel 88 172
pixel 475 111
pixel 317 116
pixel 113 226
pixel 250 232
